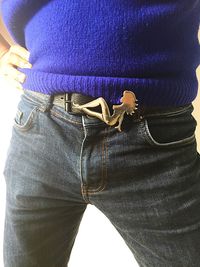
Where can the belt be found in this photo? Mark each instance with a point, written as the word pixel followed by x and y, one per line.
pixel 83 104
pixel 67 100
pixel 77 103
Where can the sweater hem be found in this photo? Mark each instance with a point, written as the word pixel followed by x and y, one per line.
pixel 149 92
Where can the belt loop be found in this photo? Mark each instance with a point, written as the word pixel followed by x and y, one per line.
pixel 68 102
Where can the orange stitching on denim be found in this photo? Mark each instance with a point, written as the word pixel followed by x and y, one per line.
pixel 60 116
pixel 85 194
pixel 32 100
pixel 103 177
pixel 28 123
pixel 83 186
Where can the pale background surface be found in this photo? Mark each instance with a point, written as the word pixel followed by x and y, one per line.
pixel 97 243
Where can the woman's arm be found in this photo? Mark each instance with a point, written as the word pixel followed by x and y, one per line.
pixel 5 39
pixel 4 46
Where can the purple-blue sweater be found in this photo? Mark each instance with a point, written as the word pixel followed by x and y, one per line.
pixel 101 48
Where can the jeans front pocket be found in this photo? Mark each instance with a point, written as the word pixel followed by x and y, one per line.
pixel 26 114
pixel 170 128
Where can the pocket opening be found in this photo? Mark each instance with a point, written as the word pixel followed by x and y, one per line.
pixel 168 113
pixel 174 130
pixel 24 116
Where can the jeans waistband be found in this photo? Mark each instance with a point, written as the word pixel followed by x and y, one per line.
pixel 47 100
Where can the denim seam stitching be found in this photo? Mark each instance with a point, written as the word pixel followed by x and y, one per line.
pixel 60 116
pixel 102 182
pixel 168 113
pixel 28 123
pixel 83 185
pixel 32 100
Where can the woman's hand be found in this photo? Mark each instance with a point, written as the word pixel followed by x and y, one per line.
pixel 15 56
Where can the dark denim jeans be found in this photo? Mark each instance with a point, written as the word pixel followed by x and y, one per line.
pixel 145 179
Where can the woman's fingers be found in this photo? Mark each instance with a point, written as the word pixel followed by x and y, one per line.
pixel 16 56
pixel 18 61
pixel 21 51
pixel 3 52
pixel 13 73
pixel 13 83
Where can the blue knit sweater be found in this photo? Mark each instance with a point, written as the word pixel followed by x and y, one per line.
pixel 101 48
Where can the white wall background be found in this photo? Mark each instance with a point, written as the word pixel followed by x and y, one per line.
pixel 97 243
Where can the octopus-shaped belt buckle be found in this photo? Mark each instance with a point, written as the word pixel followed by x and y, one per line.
pixel 128 105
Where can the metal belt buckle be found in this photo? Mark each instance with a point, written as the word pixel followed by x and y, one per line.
pixel 128 105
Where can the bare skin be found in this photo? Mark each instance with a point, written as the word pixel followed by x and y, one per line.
pixel 13 57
